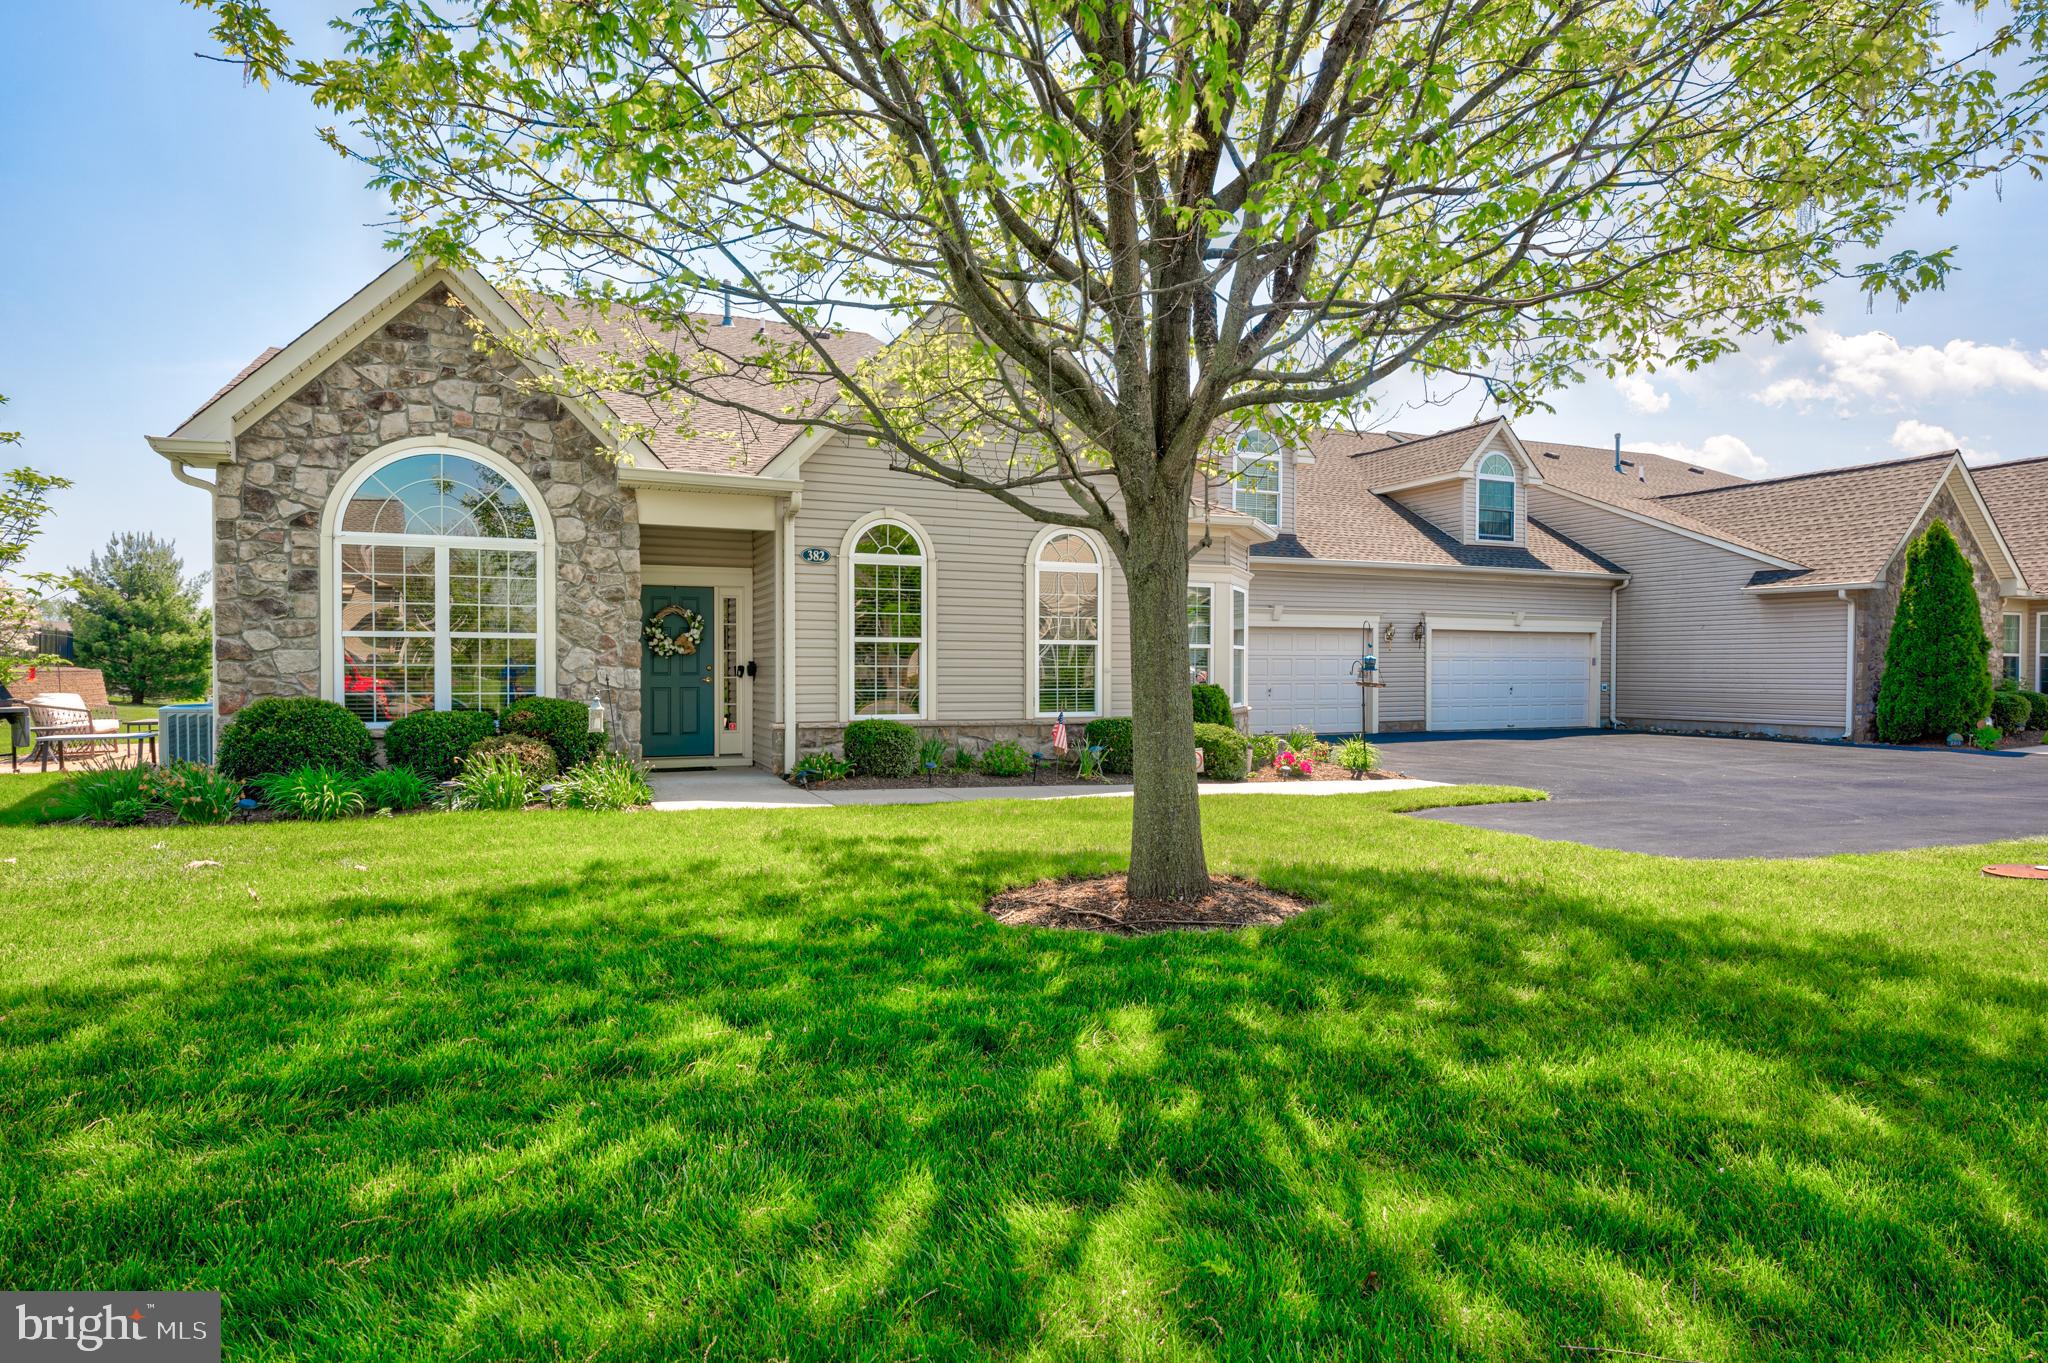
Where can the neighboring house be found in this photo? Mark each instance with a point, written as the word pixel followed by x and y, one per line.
pixel 401 521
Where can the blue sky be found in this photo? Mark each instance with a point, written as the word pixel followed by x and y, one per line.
pixel 163 223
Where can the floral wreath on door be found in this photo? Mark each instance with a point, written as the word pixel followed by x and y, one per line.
pixel 680 644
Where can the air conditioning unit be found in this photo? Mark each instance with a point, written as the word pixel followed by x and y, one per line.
pixel 185 733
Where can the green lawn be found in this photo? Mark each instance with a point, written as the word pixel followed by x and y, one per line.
pixel 759 1085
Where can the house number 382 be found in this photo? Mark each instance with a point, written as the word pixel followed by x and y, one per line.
pixel 815 555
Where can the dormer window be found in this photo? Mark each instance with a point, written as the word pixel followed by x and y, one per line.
pixel 1496 498
pixel 1256 486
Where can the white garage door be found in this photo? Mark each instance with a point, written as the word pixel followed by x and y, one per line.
pixel 1301 678
pixel 1495 679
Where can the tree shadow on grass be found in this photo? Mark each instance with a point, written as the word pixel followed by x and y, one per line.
pixel 822 1107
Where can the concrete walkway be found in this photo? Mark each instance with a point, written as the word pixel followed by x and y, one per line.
pixel 731 788
pixel 752 788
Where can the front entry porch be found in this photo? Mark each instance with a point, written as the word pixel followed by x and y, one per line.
pixel 695 706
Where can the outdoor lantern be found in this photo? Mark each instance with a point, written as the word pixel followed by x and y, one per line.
pixel 596 716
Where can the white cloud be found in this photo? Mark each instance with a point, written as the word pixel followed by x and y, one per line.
pixel 1638 393
pixel 1730 454
pixel 1873 364
pixel 1913 436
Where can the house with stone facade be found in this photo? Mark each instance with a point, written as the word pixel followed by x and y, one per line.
pixel 403 519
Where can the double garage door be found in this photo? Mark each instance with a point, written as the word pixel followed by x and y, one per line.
pixel 1500 679
pixel 1478 679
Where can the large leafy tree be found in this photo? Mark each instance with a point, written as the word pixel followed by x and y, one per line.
pixel 140 620
pixel 1937 673
pixel 24 506
pixel 1110 235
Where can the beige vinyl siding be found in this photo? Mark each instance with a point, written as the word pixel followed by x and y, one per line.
pixel 1401 599
pixel 1443 506
pixel 696 547
pixel 2033 637
pixel 1289 477
pixel 976 621
pixel 767 693
pixel 1695 646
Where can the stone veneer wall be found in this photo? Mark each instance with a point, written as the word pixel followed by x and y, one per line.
pixel 1876 609
pixel 418 375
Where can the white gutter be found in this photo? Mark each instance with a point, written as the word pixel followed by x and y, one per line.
pixel 184 455
pixel 1849 682
pixel 1260 561
pixel 1794 588
pixel 732 484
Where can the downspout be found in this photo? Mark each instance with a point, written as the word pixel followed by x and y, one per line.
pixel 1614 654
pixel 1849 669
pixel 184 475
pixel 785 624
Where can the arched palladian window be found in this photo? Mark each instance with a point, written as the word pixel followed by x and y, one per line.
pixel 436 581
pixel 889 614
pixel 1255 490
pixel 1067 593
pixel 1496 498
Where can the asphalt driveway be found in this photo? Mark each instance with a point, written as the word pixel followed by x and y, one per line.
pixel 1733 797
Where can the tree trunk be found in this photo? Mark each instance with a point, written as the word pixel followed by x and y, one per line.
pixel 1166 814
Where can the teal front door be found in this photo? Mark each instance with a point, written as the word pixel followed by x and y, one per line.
pixel 678 697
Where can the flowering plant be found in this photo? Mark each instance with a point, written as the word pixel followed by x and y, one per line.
pixel 1293 763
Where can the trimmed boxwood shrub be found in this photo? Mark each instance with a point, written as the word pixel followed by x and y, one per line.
pixel 1113 736
pixel 563 725
pixel 535 758
pixel 881 747
pixel 2010 711
pixel 1223 749
pixel 433 742
pixel 1936 680
pixel 1212 704
pixel 284 733
pixel 2037 711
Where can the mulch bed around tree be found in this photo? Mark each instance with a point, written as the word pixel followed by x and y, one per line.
pixel 1100 904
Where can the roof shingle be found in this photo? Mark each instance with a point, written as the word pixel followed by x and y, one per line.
pixel 1339 518
pixel 2017 493
pixel 1842 525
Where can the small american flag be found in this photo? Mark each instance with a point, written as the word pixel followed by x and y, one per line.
pixel 1059 733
